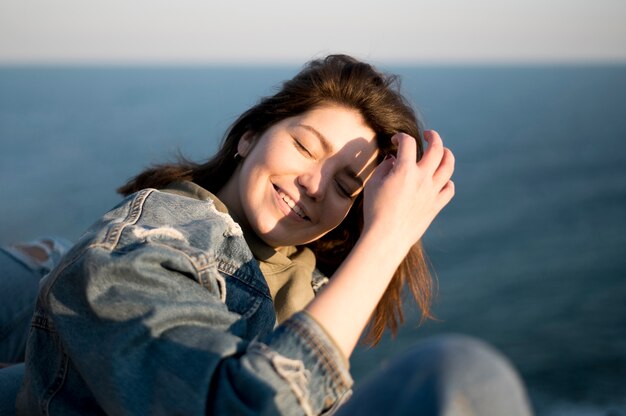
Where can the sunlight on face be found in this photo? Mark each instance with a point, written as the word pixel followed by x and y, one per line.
pixel 299 179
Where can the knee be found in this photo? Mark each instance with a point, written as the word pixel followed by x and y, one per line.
pixel 470 374
pixel 40 255
pixel 445 375
pixel 460 354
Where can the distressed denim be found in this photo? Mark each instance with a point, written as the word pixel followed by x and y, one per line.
pixel 160 308
pixel 144 360
pixel 19 281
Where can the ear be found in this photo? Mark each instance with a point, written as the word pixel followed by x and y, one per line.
pixel 245 143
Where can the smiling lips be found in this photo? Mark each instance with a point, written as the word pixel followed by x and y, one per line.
pixel 292 204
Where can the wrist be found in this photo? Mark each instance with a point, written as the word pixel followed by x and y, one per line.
pixel 383 247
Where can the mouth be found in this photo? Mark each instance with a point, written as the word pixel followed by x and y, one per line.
pixel 293 205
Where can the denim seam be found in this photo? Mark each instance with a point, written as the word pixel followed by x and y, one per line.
pixel 292 371
pixel 113 234
pixel 51 277
pixel 233 271
pixel 252 310
pixel 202 265
pixel 42 322
pixel 56 385
pixel 320 350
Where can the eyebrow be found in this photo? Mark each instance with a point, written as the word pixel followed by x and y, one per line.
pixel 328 148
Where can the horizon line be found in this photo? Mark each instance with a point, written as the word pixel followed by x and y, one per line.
pixel 279 63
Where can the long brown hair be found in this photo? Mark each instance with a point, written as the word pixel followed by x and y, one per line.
pixel 336 79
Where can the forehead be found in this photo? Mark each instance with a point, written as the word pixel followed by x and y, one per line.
pixel 337 128
pixel 341 133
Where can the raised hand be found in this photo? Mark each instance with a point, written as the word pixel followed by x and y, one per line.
pixel 404 196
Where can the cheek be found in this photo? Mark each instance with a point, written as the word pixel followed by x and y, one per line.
pixel 269 162
pixel 251 192
pixel 336 213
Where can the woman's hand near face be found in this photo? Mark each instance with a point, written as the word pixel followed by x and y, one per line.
pixel 401 199
pixel 404 196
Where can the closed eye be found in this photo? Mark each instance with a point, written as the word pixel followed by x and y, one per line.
pixel 302 149
pixel 343 191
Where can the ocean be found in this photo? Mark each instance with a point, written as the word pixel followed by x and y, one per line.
pixel 529 256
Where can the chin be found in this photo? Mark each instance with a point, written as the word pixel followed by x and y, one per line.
pixel 273 240
pixel 270 236
pixel 277 234
pixel 280 239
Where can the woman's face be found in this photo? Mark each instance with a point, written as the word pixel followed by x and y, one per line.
pixel 298 180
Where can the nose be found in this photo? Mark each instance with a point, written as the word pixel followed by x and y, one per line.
pixel 314 183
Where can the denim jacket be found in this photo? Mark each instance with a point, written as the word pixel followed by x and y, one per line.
pixel 160 308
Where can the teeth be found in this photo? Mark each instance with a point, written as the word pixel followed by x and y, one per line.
pixel 292 204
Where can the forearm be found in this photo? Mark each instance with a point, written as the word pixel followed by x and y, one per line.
pixel 345 305
pixel 401 199
pixel 176 344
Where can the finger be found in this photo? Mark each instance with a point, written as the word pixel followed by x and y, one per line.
pixel 383 169
pixel 407 149
pixel 434 152
pixel 445 195
pixel 445 169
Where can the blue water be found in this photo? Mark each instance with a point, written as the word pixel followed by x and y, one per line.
pixel 531 254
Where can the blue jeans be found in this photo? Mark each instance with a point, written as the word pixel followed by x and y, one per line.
pixel 445 375
pixel 20 274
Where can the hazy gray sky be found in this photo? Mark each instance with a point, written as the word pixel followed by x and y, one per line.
pixel 281 31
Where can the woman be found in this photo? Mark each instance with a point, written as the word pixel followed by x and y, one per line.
pixel 197 292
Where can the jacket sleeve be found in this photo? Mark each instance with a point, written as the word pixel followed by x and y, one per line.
pixel 146 328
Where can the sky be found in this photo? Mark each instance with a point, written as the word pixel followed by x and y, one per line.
pixel 269 32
